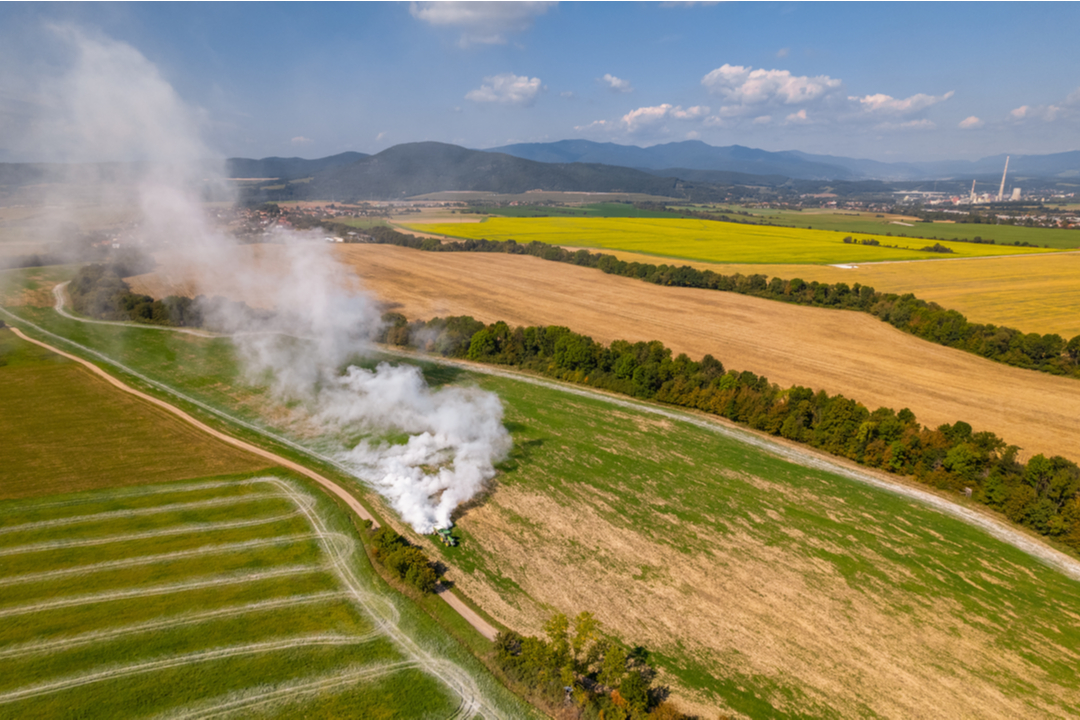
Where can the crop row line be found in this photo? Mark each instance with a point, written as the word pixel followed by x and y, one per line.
pixel 165 589
pixel 164 532
pixel 141 512
pixel 219 549
pixel 142 491
pixel 41 647
pixel 167 663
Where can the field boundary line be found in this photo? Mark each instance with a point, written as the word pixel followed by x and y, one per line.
pixel 40 647
pixel 164 532
pixel 153 590
pixel 137 512
pixel 174 661
pixel 104 566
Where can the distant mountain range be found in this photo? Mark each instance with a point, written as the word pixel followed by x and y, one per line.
pixel 427 167
pixel 688 170
pixel 669 158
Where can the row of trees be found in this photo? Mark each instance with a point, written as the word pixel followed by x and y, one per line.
pixel 408 562
pixel 574 667
pixel 1047 353
pixel 1043 493
pixel 99 291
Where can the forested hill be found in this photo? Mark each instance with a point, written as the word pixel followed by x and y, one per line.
pixel 427 167
pixel 287 168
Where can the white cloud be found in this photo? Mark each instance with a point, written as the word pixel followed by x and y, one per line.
pixel 783 52
pixel 763 120
pixel 881 104
pixel 970 123
pixel 482 23
pixel 380 136
pixel 616 84
pixel 1063 109
pixel 648 116
pixel 798 117
pixel 746 86
pixel 568 94
pixel 301 140
pixel 508 89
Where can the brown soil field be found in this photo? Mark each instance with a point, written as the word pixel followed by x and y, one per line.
pixel 837 351
pixel 1033 293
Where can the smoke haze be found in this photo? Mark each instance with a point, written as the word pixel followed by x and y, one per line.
pixel 113 104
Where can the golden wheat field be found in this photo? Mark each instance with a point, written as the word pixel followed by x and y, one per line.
pixel 1033 293
pixel 837 351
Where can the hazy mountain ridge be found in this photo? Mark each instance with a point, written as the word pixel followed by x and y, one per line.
pixel 697 155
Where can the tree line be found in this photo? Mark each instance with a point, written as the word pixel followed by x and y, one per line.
pixel 99 291
pixel 1048 353
pixel 1042 494
pixel 407 562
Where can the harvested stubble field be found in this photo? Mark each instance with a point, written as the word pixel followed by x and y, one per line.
pixel 201 596
pixel 1032 293
pixel 837 351
pixel 779 591
pixel 709 240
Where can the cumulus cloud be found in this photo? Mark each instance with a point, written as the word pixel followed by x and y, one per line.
pixel 763 120
pixel 482 23
pixel 750 94
pixel 616 84
pixel 1067 108
pixel 746 86
pixel 301 140
pixel 970 123
pixel 508 89
pixel 648 116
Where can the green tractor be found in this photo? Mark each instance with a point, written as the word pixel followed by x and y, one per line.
pixel 445 537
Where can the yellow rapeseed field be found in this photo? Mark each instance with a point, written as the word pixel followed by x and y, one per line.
pixel 690 239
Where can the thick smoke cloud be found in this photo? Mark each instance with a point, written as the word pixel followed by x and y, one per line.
pixel 113 104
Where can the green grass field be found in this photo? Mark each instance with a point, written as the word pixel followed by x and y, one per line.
pixel 852 222
pixel 710 241
pixel 231 594
pixel 762 587
pixel 748 575
pixel 131 602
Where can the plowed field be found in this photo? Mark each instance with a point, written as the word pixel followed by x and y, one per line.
pixel 838 351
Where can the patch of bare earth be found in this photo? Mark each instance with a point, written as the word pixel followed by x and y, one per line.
pixel 749 608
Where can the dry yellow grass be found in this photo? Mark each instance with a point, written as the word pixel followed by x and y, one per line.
pixel 837 351
pixel 1033 293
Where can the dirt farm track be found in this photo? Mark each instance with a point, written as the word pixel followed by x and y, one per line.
pixel 837 351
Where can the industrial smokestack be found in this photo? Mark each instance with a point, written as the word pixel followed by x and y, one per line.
pixel 1001 190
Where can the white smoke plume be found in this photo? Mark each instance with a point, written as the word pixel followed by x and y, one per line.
pixel 112 103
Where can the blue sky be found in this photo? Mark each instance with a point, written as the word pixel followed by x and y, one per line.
pixel 910 81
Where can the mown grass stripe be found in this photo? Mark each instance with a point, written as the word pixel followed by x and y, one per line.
pixel 208 581
pixel 246 700
pixel 198 528
pixel 38 647
pixel 122 671
pixel 136 491
pixel 219 549
pixel 161 509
